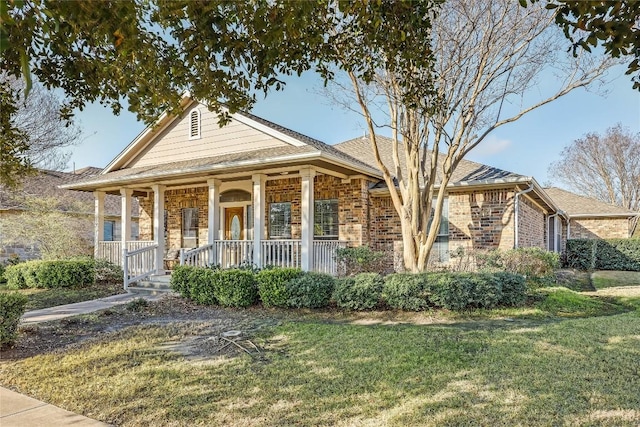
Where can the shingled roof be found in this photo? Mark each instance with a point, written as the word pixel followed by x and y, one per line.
pixel 46 184
pixel 467 172
pixel 581 206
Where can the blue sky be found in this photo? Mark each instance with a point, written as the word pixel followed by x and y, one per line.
pixel 526 147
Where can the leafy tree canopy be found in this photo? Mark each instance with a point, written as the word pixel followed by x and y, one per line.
pixel 613 24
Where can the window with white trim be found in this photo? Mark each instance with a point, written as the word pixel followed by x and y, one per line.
pixel 190 227
pixel 325 218
pixel 440 251
pixel 280 220
pixel 194 124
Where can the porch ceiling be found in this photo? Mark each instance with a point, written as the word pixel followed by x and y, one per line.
pixel 230 167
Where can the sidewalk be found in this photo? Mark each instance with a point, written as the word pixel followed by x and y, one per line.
pixel 18 410
pixel 62 311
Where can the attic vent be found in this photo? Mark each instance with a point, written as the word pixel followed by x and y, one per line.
pixel 194 124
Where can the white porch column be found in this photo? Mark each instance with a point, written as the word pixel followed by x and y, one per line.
pixel 125 220
pixel 258 217
pixel 307 207
pixel 98 222
pixel 158 225
pixel 214 217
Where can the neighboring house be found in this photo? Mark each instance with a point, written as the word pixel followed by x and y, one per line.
pixel 256 192
pixel 45 185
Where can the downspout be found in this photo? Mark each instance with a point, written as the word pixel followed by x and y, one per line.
pixel 517 208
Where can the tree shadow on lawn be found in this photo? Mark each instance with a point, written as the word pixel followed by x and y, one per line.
pixel 550 372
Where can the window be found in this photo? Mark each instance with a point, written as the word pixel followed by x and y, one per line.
pixel 194 124
pixel 440 249
pixel 325 220
pixel 280 220
pixel 190 227
pixel 109 231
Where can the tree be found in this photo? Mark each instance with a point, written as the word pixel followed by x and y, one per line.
pixel 605 167
pixel 613 24
pixel 487 57
pixel 56 228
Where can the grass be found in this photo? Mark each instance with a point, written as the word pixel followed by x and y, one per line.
pixel 607 279
pixel 43 298
pixel 553 371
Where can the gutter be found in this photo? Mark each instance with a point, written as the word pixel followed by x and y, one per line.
pixel 517 208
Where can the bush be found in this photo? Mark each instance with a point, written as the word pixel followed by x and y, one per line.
pixel 195 283
pixel 514 288
pixel 272 285
pixel 2 268
pixel 108 272
pixel 352 261
pixel 361 292
pixel 486 290
pixel 610 254
pixel 11 309
pixel 235 288
pixel 310 290
pixel 15 277
pixel 453 291
pixel 180 280
pixel 51 274
pixel 405 291
pixel 530 262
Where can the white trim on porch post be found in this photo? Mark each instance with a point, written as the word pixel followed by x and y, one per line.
pixel 307 207
pixel 258 216
pixel 214 217
pixel 158 225
pixel 125 228
pixel 98 223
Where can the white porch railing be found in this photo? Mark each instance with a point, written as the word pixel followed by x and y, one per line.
pixel 138 264
pixel 281 253
pixel 324 256
pixel 198 257
pixel 112 251
pixel 276 253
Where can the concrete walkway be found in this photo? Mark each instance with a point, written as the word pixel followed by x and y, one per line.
pixel 18 410
pixel 23 411
pixel 67 310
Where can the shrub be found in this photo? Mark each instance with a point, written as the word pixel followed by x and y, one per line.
pixel 405 291
pixel 137 305
pixel 310 290
pixel 361 292
pixel 362 259
pixel 64 273
pixel 180 280
pixel 2 268
pixel 235 288
pixel 108 272
pixel 272 285
pixel 202 285
pixel 15 277
pixel 11 309
pixel 610 254
pixel 451 291
pixel 514 288
pixel 530 262
pixel 486 290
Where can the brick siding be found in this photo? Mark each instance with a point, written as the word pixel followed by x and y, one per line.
pixel 599 228
pixel 531 225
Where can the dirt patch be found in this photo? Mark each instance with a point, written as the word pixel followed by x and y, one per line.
pixel 204 324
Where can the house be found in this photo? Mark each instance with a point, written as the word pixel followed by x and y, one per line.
pixel 44 185
pixel 255 192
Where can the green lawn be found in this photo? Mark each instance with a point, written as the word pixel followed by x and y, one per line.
pixel 42 298
pixel 607 279
pixel 541 370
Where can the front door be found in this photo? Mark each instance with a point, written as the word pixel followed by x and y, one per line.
pixel 234 223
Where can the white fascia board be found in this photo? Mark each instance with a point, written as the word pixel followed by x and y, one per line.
pixel 604 215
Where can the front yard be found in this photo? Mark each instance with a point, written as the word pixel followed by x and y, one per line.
pixel 43 298
pixel 161 365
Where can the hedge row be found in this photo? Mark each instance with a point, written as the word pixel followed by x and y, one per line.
pixel 51 274
pixel 293 288
pixel 610 254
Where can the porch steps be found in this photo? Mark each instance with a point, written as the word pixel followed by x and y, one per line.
pixel 153 285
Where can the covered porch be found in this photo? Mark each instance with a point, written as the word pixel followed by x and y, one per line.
pixel 290 217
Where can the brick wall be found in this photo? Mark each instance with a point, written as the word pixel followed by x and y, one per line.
pixel 599 228
pixel 531 225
